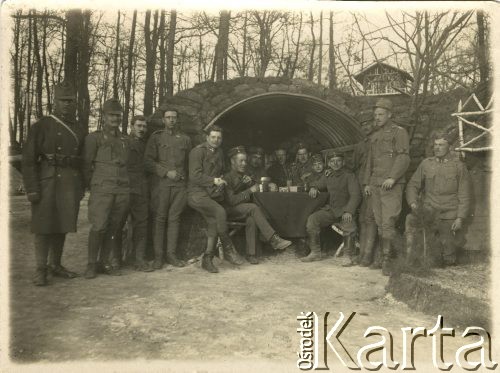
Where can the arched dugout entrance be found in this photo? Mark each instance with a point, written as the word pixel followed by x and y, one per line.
pixel 281 118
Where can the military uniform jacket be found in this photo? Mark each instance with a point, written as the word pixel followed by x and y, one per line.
pixel 388 155
pixel 137 173
pixel 59 181
pixel 299 170
pixel 445 186
pixel 236 191
pixel 106 157
pixel 205 164
pixel 313 177
pixel 359 157
pixel 343 187
pixel 167 152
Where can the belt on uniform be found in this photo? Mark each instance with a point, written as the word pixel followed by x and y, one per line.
pixel 61 160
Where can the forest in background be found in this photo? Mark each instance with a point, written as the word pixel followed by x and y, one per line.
pixel 145 57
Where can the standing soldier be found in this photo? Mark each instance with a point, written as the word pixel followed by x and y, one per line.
pixel 106 158
pixel 139 191
pixel 239 189
pixel 53 180
pixel 445 185
pixel 341 207
pixel 367 225
pixel 166 160
pixel 206 193
pixel 387 161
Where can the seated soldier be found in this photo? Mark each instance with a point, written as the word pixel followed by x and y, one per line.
pixel 445 186
pixel 302 165
pixel 255 166
pixel 238 193
pixel 280 170
pixel 345 196
pixel 316 171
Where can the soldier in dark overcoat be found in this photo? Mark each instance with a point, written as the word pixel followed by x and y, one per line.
pixel 53 180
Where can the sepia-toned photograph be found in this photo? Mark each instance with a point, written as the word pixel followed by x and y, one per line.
pixel 272 187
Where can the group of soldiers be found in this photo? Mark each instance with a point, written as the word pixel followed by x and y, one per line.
pixel 129 175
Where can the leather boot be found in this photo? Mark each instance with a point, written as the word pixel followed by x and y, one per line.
pixel 369 238
pixel 410 247
pixel 230 253
pixel 279 243
pixel 314 245
pixel 206 261
pixel 57 249
pixel 349 250
pixel 95 242
pixel 42 244
pixel 386 256
pixel 172 235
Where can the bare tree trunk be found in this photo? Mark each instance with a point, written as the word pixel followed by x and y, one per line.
pixel 310 75
pixel 130 56
pixel 83 71
pixel 18 117
pixel 200 57
pixel 73 18
pixel 170 53
pixel 332 72
pixel 297 49
pixel 115 57
pixel 244 53
pixel 44 61
pixel 482 48
pixel 222 45
pixel 151 42
pixel 28 80
pixel 161 85
pixel 320 57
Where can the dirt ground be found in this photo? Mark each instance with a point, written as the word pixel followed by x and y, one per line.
pixel 189 317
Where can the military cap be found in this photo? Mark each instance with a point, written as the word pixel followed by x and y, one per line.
pixel 302 145
pixel 317 158
pixel 64 90
pixel 256 150
pixel 236 150
pixel 335 155
pixel 383 103
pixel 112 106
pixel 443 135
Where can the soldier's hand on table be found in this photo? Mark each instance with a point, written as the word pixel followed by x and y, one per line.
pixel 388 184
pixel 219 181
pixel 368 191
pixel 254 188
pixel 457 225
pixel 347 217
pixel 173 175
pixel 313 192
pixel 33 197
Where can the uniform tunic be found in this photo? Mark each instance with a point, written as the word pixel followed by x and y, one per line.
pixel 106 157
pixel 239 207
pixel 345 196
pixel 445 186
pixel 59 182
pixel 205 164
pixel 388 157
pixel 359 163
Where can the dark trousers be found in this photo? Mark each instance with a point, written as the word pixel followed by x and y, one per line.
pixel 325 217
pixel 46 242
pixel 212 212
pixel 107 215
pixel 255 222
pixel 386 205
pixel 169 203
pixel 139 214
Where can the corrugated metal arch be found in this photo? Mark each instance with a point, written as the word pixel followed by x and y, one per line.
pixel 327 122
